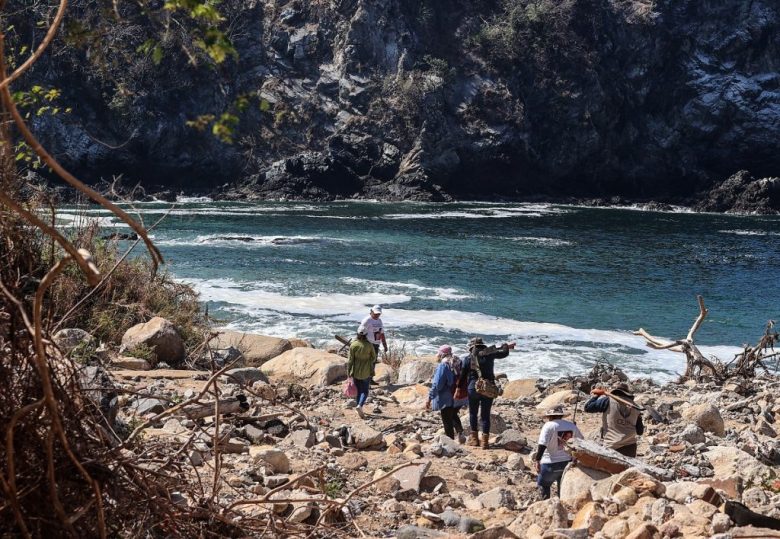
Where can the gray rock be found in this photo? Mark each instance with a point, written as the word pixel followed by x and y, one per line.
pixel 411 477
pixel 273 481
pixel 303 438
pixel 444 446
pixel 450 518
pixel 253 434
pixel 706 416
pixel 513 440
pixel 497 497
pixel 416 532
pixel 160 336
pixel 69 338
pixel 245 376
pixel 364 437
pixel 470 525
pixel 416 371
pixel 693 434
pixel 149 406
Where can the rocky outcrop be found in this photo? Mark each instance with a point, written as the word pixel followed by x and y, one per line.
pixel 393 99
pixel 742 193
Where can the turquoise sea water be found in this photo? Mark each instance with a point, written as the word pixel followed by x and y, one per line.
pixel 569 284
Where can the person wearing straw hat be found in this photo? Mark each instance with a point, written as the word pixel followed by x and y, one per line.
pixel 621 421
pixel 551 458
pixel 480 364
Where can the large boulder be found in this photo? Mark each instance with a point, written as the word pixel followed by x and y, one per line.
pixel 383 374
pixel 271 457
pixel 257 349
pixel 730 462
pixel 576 483
pixel 69 339
pixel 306 366
pixel 543 515
pixel 517 389
pixel 706 416
pixel 416 371
pixel 160 336
pixel 593 455
pixel 413 397
pixel 562 398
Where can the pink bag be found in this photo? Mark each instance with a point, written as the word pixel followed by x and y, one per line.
pixel 350 389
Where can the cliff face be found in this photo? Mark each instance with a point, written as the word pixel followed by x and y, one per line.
pixel 432 99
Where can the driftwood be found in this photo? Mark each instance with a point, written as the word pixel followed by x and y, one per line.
pixel 226 406
pixel 699 367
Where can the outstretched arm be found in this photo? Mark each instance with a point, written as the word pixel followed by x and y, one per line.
pixel 597 404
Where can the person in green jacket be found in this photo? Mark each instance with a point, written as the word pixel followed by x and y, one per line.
pixel 360 367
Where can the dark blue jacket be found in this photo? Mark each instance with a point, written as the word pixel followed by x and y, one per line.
pixel 486 356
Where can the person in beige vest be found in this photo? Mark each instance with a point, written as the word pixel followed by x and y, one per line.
pixel 620 423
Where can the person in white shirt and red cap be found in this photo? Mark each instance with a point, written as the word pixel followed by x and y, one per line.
pixel 375 328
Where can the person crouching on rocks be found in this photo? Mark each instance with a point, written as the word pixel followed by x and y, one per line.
pixel 551 458
pixel 441 396
pixel 476 366
pixel 360 366
pixel 620 422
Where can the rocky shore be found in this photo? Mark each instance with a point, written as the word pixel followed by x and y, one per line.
pixel 283 439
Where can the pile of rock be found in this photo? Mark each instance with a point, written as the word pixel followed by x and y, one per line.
pixel 706 450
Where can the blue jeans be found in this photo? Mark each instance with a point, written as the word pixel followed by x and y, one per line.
pixel 479 406
pixel 362 387
pixel 549 474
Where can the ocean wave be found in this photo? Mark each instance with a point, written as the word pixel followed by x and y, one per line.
pixel 750 232
pixel 438 293
pixel 192 200
pixel 544 349
pixel 248 240
pixel 76 220
pixel 551 242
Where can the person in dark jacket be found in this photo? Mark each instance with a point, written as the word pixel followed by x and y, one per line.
pixel 620 423
pixel 480 360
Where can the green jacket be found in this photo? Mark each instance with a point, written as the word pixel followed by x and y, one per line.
pixel 362 357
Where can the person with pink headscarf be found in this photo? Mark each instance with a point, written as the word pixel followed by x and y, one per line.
pixel 440 396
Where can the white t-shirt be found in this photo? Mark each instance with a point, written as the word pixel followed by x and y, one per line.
pixel 374 329
pixel 554 435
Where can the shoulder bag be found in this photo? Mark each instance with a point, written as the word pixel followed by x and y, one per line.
pixel 486 388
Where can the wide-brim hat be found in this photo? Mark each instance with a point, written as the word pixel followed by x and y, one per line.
pixel 623 389
pixel 555 411
pixel 475 341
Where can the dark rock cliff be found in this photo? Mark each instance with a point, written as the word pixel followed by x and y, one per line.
pixel 434 99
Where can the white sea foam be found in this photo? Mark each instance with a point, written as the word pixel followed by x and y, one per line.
pixel 544 349
pixel 428 292
pixel 248 240
pixel 81 220
pixel 491 213
pixel 551 242
pixel 192 200
pixel 750 232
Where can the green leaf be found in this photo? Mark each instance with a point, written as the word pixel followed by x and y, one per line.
pixel 157 55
